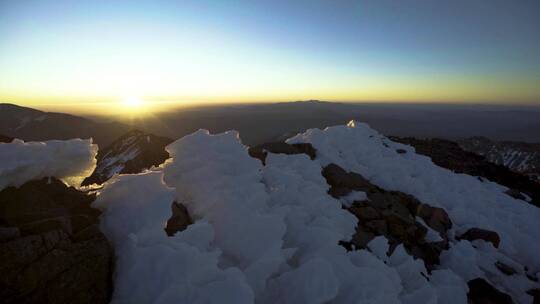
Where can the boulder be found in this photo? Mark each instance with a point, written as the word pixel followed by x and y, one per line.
pixel 481 234
pixel 179 220
pixel 261 151
pixel 51 249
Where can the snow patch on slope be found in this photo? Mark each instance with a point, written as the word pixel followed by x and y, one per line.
pixel 69 160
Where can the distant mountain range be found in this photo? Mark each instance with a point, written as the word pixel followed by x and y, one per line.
pixel 260 123
pixel 31 125
pixel 517 156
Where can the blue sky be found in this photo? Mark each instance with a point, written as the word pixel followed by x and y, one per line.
pixel 196 51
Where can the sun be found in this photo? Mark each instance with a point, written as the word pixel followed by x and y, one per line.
pixel 132 102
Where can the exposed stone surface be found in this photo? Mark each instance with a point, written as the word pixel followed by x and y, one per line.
pixel 481 234
pixel 481 292
pixel 179 220
pixel 450 155
pixel 51 249
pixel 390 213
pixel 262 150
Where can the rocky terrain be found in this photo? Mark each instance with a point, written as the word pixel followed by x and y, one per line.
pixel 517 156
pixel 131 153
pixel 450 155
pixel 51 248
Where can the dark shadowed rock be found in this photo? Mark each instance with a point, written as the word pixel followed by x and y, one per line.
pixel 5 139
pixel 51 249
pixel 505 268
pixel 262 150
pixel 179 220
pixel 481 292
pixel 132 153
pixel 401 151
pixel 481 234
pixel 535 293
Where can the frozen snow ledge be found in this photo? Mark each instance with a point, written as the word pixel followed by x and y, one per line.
pixel 69 160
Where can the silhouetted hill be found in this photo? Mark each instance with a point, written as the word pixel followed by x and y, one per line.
pixel 31 124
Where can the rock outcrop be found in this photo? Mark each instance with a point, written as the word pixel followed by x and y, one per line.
pixel 51 249
pixel 262 150
pixel 179 220
pixel 392 214
pixel 132 153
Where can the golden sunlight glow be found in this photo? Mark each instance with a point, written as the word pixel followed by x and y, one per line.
pixel 132 102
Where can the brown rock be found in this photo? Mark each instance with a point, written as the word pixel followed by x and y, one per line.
pixel 364 212
pixel 58 254
pixel 179 220
pixel 361 238
pixel 481 234
pixel 434 217
pixel 261 151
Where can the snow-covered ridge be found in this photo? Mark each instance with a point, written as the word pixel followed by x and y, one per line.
pixel 69 160
pixel 517 156
pixel 270 234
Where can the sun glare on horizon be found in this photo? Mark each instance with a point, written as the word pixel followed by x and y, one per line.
pixel 132 102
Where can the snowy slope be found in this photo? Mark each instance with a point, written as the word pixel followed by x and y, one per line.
pixel 131 153
pixel 517 156
pixel 269 234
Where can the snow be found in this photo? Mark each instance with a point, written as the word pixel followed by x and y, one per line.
pixel 468 201
pixel 269 234
pixel 69 160
pixel 154 268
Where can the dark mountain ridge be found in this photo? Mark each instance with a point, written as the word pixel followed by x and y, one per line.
pixel 34 125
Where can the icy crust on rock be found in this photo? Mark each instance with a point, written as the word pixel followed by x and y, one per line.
pixel 469 202
pixel 69 160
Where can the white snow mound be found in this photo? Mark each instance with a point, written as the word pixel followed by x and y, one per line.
pixel 69 160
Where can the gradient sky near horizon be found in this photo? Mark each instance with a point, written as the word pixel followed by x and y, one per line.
pixel 84 52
